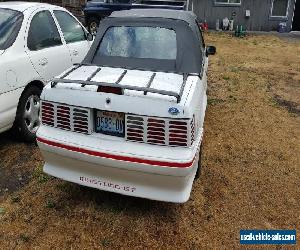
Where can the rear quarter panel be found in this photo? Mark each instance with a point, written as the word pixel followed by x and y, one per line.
pixel 196 102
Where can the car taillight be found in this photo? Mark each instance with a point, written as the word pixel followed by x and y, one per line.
pixel 156 131
pixel 178 133
pixel 63 117
pixel 76 119
pixel 108 89
pixel 135 128
pixel 47 113
pixel 160 131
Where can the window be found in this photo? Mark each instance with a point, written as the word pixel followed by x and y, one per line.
pixel 10 24
pixel 73 3
pixel 228 2
pixel 139 42
pixel 72 30
pixel 279 8
pixel 43 32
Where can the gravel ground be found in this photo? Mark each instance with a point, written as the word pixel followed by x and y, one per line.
pixel 250 176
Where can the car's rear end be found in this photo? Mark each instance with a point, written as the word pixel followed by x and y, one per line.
pixel 127 120
pixel 133 144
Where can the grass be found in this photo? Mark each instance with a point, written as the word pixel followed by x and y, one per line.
pixel 105 242
pixel 50 204
pixel 250 174
pixel 232 98
pixel 2 210
pixel 213 101
pixel 24 237
pixel 15 199
pixel 40 175
pixel 226 78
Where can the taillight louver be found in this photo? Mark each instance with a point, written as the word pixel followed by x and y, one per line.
pixel 81 120
pixel 47 113
pixel 178 133
pixel 156 131
pixel 63 117
pixel 160 131
pixel 135 128
pixel 66 117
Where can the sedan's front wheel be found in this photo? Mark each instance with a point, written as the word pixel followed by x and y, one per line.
pixel 28 118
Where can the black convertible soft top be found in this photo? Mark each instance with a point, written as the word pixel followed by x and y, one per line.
pixel 189 54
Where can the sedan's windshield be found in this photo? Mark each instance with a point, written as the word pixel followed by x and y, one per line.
pixel 10 24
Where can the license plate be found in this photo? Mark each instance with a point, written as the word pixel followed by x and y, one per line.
pixel 110 123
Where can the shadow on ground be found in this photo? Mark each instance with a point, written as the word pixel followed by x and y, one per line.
pixel 15 163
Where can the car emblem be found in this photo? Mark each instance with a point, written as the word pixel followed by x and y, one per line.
pixel 174 111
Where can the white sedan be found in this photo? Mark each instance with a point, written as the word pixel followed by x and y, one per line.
pixel 37 42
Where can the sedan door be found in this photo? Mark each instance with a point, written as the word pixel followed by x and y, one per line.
pixel 48 53
pixel 74 34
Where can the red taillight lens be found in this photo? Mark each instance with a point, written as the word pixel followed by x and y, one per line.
pixel 178 133
pixel 161 131
pixel 47 113
pixel 63 117
pixel 112 90
pixel 156 131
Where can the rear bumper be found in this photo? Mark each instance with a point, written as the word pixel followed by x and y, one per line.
pixel 162 178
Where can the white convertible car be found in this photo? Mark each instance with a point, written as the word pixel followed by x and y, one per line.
pixel 37 42
pixel 129 118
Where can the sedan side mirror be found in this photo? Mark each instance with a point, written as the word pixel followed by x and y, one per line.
pixel 89 37
pixel 211 50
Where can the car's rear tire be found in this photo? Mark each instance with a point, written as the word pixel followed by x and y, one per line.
pixel 198 173
pixel 27 118
pixel 93 25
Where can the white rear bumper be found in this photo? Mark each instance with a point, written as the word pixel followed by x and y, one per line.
pixel 116 168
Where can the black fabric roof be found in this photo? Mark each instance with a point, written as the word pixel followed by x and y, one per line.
pixel 189 54
pixel 187 16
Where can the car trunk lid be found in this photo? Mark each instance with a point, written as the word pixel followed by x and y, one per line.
pixel 160 85
pixel 132 101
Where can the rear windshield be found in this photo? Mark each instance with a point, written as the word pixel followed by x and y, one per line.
pixel 10 24
pixel 139 42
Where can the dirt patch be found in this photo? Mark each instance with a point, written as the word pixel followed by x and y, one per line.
pixel 12 180
pixel 250 176
pixel 290 106
pixel 18 161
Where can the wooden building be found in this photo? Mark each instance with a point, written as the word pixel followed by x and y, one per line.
pixel 256 15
